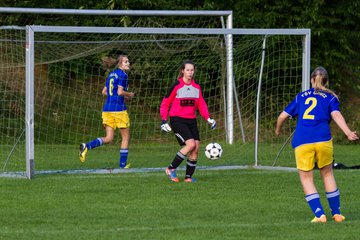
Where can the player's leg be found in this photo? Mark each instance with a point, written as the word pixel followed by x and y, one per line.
pixel 124 147
pixel 305 162
pixel 184 138
pixel 123 123
pixel 84 147
pixel 190 145
pixel 192 162
pixel 325 159
pixel 180 156
pixel 109 125
pixel 109 136
pixel 311 195
pixel 332 192
pixel 193 155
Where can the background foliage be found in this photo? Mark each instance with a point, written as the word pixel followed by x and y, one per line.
pixel 334 24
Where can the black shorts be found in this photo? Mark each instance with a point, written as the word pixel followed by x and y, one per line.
pixel 184 129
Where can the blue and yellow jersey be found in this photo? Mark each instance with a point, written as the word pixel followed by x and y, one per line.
pixel 313 109
pixel 114 102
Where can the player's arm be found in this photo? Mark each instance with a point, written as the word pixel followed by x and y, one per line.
pixel 290 111
pixel 164 109
pixel 167 101
pixel 281 119
pixel 104 91
pixel 203 109
pixel 204 112
pixel 340 121
pixel 125 94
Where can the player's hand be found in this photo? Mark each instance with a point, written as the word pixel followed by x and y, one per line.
pixel 352 136
pixel 277 132
pixel 131 95
pixel 212 123
pixel 165 126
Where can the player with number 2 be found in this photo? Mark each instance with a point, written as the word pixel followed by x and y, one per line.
pixel 312 141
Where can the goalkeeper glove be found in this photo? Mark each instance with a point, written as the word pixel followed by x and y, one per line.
pixel 212 123
pixel 165 126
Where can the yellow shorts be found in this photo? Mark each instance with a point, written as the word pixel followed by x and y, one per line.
pixel 307 154
pixel 116 119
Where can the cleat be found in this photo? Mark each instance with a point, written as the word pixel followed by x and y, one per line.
pixel 172 174
pixel 190 180
pixel 126 166
pixel 321 219
pixel 338 218
pixel 83 151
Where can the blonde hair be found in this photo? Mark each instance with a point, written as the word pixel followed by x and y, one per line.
pixel 111 62
pixel 320 80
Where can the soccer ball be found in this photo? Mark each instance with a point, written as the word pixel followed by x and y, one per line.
pixel 213 151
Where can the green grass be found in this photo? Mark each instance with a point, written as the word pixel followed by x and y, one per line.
pixel 65 157
pixel 228 204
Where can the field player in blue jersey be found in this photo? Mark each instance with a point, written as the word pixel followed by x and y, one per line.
pixel 312 141
pixel 114 113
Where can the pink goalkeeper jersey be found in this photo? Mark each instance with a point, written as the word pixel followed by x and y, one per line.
pixel 183 100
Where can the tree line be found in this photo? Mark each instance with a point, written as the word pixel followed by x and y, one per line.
pixel 335 29
pixel 334 24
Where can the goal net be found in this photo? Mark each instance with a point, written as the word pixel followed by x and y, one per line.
pixel 69 75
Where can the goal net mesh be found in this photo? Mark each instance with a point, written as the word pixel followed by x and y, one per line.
pixel 70 75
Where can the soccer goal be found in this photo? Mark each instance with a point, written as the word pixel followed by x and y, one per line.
pixel 52 100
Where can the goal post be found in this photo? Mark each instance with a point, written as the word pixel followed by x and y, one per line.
pixel 64 78
pixel 29 103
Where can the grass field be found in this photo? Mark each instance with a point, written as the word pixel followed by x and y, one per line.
pixel 65 157
pixel 223 204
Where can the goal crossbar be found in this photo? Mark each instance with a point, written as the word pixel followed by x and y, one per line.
pixel 116 12
pixel 144 30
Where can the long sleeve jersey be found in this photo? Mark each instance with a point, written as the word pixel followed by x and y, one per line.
pixel 183 100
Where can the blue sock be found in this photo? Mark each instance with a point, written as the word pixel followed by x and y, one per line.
pixel 314 202
pixel 334 201
pixel 94 143
pixel 123 157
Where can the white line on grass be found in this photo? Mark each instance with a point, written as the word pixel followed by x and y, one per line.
pixel 139 170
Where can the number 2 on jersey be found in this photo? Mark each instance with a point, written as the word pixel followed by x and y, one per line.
pixel 312 101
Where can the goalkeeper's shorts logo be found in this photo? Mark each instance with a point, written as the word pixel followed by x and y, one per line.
pixel 187 103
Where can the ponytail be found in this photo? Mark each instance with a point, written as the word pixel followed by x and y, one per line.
pixel 108 62
pixel 113 59
pixel 320 80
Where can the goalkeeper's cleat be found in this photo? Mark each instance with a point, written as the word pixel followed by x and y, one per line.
pixel 172 174
pixel 83 151
pixel 127 166
pixel 321 219
pixel 190 180
pixel 338 218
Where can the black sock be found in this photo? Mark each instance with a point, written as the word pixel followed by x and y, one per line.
pixel 190 168
pixel 177 160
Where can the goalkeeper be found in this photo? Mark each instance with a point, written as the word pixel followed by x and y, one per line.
pixel 181 102
pixel 312 141
pixel 114 113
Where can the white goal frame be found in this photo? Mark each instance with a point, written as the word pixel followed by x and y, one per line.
pixel 228 31
pixel 32 30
